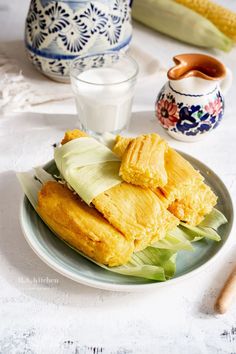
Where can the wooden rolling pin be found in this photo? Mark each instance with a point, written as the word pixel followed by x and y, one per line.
pixel 227 294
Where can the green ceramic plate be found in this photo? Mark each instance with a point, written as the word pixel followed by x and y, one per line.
pixel 69 263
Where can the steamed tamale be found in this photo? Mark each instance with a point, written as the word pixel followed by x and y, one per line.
pixel 162 197
pixel 73 134
pixel 182 177
pixel 194 206
pixel 138 213
pixel 81 226
pixel 189 198
pixel 121 143
pixel 166 223
pixel 185 193
pixel 143 162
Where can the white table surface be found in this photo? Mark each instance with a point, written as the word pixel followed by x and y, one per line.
pixel 42 311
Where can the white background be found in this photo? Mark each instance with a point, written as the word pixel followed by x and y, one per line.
pixel 65 317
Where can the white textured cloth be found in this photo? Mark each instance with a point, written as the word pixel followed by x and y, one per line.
pixel 24 89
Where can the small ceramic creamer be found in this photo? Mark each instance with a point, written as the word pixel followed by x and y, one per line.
pixel 191 103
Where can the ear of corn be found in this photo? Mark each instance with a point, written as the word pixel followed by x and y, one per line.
pixel 180 22
pixel 143 162
pixel 222 18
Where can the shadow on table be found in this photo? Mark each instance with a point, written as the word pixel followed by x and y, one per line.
pixel 219 277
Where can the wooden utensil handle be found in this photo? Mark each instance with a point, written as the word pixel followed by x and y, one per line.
pixel 227 294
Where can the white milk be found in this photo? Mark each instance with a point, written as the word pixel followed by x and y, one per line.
pixel 104 99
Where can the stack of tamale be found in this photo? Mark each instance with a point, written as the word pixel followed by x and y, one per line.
pixel 159 189
pixel 185 193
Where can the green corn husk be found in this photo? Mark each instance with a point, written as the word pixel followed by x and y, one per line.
pixel 88 166
pixel 180 22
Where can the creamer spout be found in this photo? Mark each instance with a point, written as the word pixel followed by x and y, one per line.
pixel 196 65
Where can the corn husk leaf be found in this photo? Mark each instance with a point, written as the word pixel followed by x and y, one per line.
pixel 31 182
pixel 175 240
pixel 151 263
pixel 88 166
pixel 206 229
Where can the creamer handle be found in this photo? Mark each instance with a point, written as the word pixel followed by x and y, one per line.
pixel 227 81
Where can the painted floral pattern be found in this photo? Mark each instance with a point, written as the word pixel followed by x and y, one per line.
pixel 76 37
pixel 57 17
pixel 166 112
pixel 36 25
pixel 75 29
pixel 214 108
pixel 112 30
pixel 36 61
pixel 56 31
pixel 189 120
pixel 90 62
pixel 122 8
pixel 95 18
pixel 53 66
pixel 57 67
pixel 60 68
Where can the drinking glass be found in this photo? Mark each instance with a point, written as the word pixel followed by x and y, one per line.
pixel 104 85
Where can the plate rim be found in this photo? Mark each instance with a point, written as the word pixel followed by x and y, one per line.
pixel 98 284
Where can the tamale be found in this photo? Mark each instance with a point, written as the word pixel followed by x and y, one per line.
pixel 138 213
pixel 182 177
pixel 194 206
pixel 190 199
pixel 143 162
pixel 81 226
pixel 166 223
pixel 162 197
pixel 134 211
pixel 185 193
pixel 73 134
pixel 121 143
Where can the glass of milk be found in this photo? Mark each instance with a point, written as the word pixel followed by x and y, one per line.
pixel 103 85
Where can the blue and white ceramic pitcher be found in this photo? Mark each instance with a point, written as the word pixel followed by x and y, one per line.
pixel 57 31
